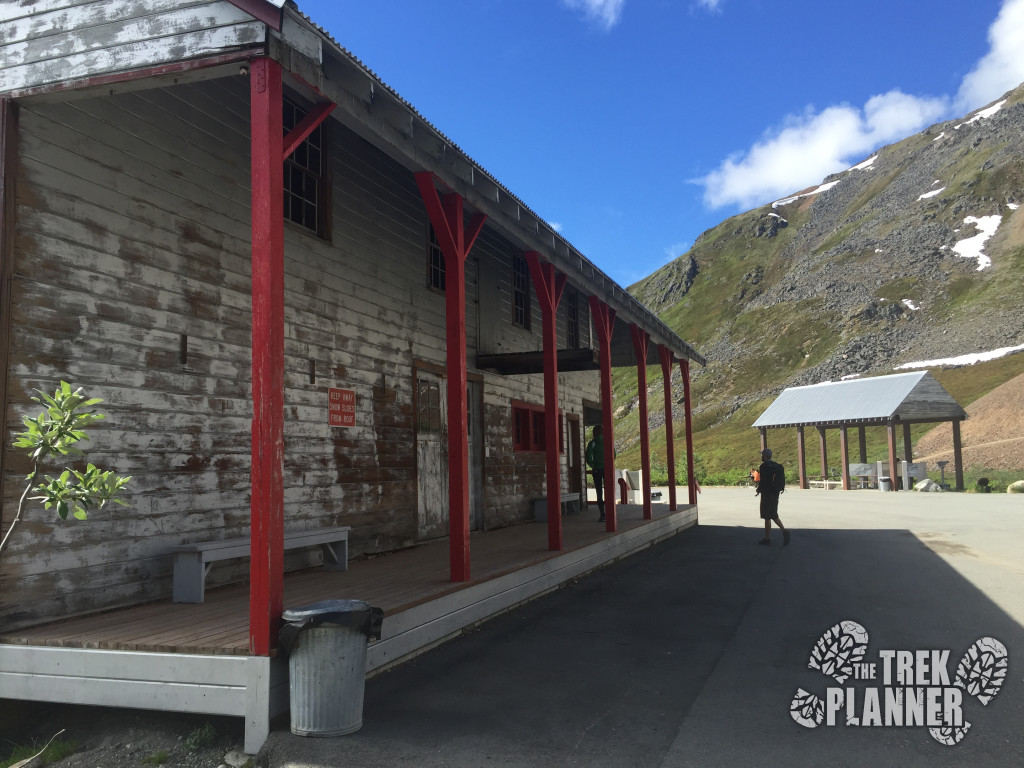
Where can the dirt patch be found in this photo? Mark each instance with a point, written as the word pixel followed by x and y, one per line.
pixel 992 437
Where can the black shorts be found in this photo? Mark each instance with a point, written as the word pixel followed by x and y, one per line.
pixel 769 506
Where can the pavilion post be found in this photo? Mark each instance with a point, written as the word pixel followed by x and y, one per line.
pixel 844 456
pixel 764 437
pixel 908 446
pixel 863 439
pixel 801 460
pixel 641 343
pixel 958 458
pixel 665 356
pixel 824 453
pixel 890 430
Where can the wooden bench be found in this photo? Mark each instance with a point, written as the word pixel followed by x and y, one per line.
pixel 193 561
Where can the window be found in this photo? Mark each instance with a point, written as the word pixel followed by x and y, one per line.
pixel 520 293
pixel 428 406
pixel 528 434
pixel 305 180
pixel 435 262
pixel 572 318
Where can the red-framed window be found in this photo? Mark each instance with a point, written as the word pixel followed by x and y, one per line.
pixel 528 433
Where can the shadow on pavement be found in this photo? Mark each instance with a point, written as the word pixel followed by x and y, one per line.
pixel 687 654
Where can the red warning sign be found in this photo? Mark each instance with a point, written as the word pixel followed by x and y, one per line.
pixel 341 408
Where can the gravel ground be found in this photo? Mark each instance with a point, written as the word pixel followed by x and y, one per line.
pixel 122 738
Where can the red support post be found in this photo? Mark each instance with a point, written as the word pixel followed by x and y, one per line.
pixel 266 569
pixel 456 240
pixel 691 476
pixel 604 323
pixel 548 284
pixel 641 343
pixel 666 357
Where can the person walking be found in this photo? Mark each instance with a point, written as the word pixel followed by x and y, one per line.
pixel 594 457
pixel 771 484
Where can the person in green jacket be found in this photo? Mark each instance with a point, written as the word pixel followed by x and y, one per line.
pixel 595 460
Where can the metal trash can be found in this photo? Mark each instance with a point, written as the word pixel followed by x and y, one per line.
pixel 885 484
pixel 326 647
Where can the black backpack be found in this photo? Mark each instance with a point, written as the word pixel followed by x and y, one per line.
pixel 776 480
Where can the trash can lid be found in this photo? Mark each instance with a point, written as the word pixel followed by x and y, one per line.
pixel 324 609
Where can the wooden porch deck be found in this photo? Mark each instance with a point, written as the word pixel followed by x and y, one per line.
pixel 396 582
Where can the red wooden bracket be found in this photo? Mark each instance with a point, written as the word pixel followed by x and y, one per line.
pixel 306 126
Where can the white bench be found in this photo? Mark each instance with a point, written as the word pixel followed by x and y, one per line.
pixel 193 561
pixel 828 485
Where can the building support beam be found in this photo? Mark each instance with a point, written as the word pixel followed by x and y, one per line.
pixel 266 567
pixel 603 318
pixel 641 343
pixel 306 126
pixel 908 445
pixel 958 457
pixel 863 439
pixel 801 458
pixel 890 431
pixel 844 456
pixel 666 357
pixel 763 431
pixel 691 475
pixel 446 214
pixel 548 284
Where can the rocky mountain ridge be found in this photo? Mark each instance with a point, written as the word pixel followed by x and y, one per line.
pixel 914 254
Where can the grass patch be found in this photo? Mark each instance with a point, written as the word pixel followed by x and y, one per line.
pixel 202 737
pixel 55 751
pixel 157 758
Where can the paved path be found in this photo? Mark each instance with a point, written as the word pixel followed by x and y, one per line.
pixel 689 654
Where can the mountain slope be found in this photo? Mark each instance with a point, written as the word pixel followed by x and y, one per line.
pixel 914 254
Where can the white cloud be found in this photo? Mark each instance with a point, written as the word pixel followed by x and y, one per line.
pixel 676 249
pixel 555 225
pixel 711 5
pixel 815 144
pixel 1002 68
pixel 604 12
pixel 807 147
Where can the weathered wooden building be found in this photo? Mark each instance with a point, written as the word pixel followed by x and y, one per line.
pixel 396 343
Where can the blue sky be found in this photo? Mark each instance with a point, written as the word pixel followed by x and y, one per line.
pixel 634 125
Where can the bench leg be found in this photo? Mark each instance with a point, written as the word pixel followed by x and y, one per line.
pixel 335 555
pixel 189 577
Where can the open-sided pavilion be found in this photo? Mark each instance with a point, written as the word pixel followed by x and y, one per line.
pixel 899 400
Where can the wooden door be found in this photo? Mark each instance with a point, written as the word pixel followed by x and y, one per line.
pixel 431 455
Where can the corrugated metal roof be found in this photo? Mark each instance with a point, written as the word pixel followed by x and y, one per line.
pixel 857 400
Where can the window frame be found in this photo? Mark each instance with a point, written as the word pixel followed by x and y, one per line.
pixel 295 167
pixel 437 270
pixel 522 306
pixel 528 428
